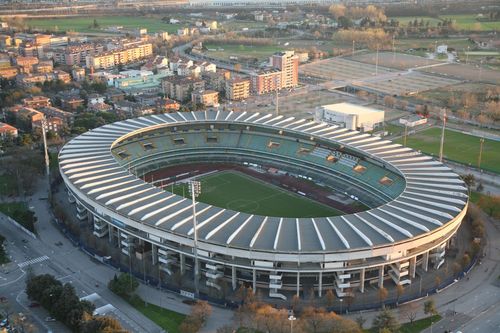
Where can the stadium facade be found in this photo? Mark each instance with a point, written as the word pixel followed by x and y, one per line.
pixel 416 204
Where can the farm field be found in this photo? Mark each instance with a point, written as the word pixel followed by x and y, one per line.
pixel 224 51
pixel 458 147
pixel 404 20
pixel 239 192
pixel 84 24
pixel 463 21
pixel 469 22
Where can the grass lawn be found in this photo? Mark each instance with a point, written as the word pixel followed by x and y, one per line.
pixel 166 319
pixel 458 147
pixel 224 51
pixel 19 211
pixel 84 24
pixel 469 22
pixel 404 20
pixel 463 21
pixel 416 327
pixel 8 185
pixel 239 192
pixel 419 325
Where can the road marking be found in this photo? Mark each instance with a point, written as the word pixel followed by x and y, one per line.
pixel 33 261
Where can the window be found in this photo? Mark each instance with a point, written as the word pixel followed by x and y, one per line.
pixel 212 139
pixel 148 146
pixel 123 154
pixel 179 141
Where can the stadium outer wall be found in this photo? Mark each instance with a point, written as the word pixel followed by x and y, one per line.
pixel 280 273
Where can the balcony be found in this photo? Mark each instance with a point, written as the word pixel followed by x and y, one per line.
pixel 100 233
pixel 81 217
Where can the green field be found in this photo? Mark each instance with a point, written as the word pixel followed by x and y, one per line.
pixel 85 24
pixel 19 211
pixel 463 22
pixel 224 51
pixel 458 147
pixel 166 319
pixel 239 192
pixel 8 185
pixel 469 22
pixel 404 20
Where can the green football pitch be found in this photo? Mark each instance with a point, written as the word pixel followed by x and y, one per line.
pixel 458 147
pixel 239 192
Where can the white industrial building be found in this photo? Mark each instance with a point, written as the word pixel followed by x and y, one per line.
pixel 350 116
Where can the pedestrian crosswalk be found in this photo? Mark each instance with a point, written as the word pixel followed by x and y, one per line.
pixel 33 261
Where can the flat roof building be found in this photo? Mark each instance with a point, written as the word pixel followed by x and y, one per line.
pixel 350 116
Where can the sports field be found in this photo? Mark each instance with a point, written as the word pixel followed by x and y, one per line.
pixel 85 24
pixel 239 192
pixel 458 147
pixel 224 51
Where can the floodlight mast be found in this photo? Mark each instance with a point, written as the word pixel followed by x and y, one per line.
pixel 195 189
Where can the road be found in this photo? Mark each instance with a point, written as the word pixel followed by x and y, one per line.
pixel 66 262
pixel 69 264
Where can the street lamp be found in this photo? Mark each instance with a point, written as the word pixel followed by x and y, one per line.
pixel 195 190
pixel 292 318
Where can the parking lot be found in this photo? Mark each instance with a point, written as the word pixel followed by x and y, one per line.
pixel 406 83
pixel 341 69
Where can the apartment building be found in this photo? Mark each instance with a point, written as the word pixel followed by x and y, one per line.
pixel 266 81
pixel 237 89
pixel 208 98
pixel 119 56
pixel 288 63
pixel 180 88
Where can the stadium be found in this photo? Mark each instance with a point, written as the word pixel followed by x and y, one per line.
pixel 286 204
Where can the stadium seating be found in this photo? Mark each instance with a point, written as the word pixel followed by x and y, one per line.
pixel 260 142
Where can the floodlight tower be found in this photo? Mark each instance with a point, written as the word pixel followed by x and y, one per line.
pixel 195 190
pixel 442 136
pixel 481 142
pixel 46 153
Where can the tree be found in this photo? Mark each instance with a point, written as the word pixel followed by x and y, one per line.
pixel 330 297
pixel 389 101
pixel 409 311
pixel 490 204
pixel 201 310
pixel 295 301
pixel 399 291
pixel 437 281
pixel 123 285
pixel 465 260
pixel 337 11
pixel 360 320
pixel 382 294
pixel 469 180
pixel 430 307
pixel 385 320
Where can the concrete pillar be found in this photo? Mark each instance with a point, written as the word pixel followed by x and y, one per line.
pixel 425 261
pixel 110 233
pixel 381 276
pixel 254 285
pixel 320 288
pixel 362 280
pixel 183 263
pixel 154 254
pixel 413 267
pixel 233 277
pixel 119 234
pixel 298 284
